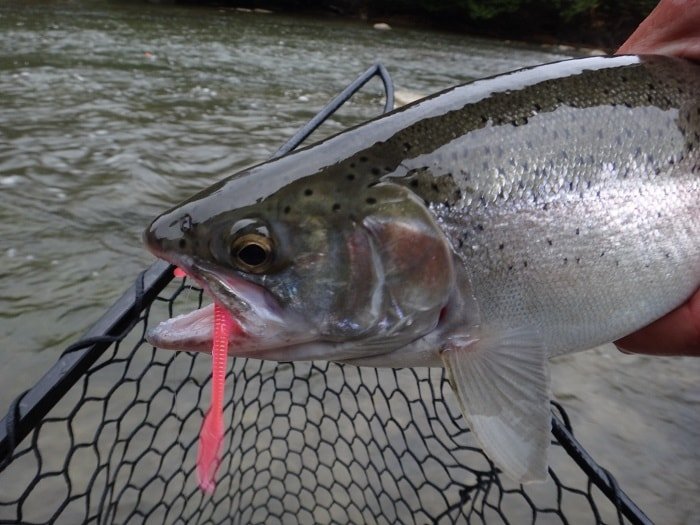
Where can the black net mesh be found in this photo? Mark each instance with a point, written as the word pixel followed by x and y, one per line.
pixel 305 442
pixel 110 436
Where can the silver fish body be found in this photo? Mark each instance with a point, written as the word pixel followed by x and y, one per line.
pixel 485 229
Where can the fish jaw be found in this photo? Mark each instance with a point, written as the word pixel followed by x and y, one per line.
pixel 188 332
pixel 263 326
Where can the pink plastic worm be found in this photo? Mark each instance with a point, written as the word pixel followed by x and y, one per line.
pixel 211 434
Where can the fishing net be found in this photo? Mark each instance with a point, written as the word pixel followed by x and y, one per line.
pixel 109 435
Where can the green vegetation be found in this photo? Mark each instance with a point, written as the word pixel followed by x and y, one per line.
pixel 603 23
pixel 566 9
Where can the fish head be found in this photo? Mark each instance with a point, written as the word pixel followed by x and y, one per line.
pixel 323 267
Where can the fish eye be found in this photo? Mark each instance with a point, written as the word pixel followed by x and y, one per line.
pixel 252 252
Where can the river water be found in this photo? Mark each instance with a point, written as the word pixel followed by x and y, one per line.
pixel 109 113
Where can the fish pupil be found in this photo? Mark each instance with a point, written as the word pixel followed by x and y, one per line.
pixel 252 254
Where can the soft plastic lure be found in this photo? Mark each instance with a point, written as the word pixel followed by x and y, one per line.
pixel 211 435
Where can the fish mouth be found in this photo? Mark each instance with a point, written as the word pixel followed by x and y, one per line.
pixel 264 325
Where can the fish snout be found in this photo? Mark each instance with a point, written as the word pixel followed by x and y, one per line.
pixel 169 233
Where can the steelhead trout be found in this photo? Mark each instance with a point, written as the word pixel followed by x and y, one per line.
pixel 484 229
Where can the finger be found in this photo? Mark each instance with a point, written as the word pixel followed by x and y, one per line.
pixel 672 28
pixel 676 333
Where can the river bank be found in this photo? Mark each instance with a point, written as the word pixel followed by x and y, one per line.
pixel 585 25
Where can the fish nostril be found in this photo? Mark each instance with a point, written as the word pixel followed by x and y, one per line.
pixel 186 223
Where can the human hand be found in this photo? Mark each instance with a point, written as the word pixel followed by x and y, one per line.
pixel 676 333
pixel 672 28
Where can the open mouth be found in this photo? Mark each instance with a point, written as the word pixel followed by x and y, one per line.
pixel 193 331
pixel 264 325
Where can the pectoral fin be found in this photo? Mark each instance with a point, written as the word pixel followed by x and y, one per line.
pixel 502 383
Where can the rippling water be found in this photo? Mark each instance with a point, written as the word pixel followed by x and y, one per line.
pixel 110 113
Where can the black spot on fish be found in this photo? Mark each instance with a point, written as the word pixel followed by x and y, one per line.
pixel 434 186
pixel 287 209
pixel 376 171
pixel 363 159
pixel 350 176
pixel 538 107
pixel 352 164
pixel 484 119
pixel 308 192
pixel 336 207
pixel 414 183
pixel 182 243
pixel 371 200
pixel 407 146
